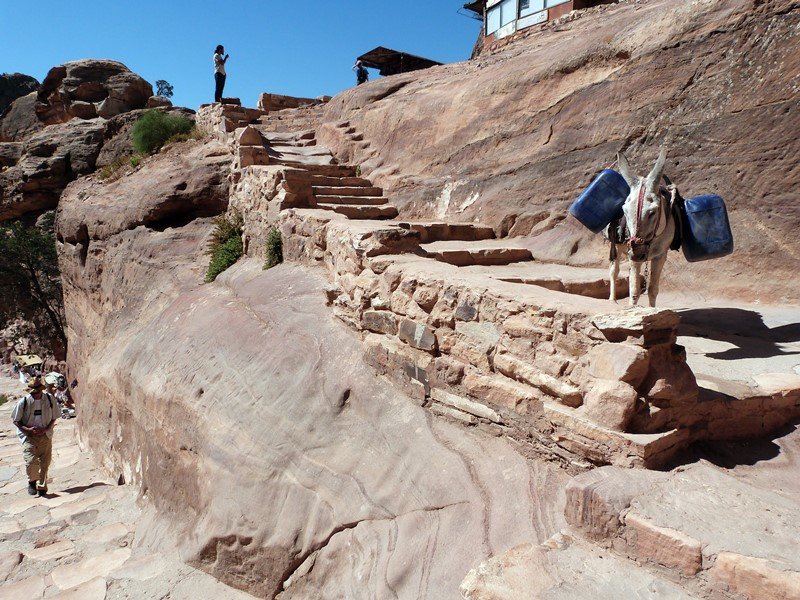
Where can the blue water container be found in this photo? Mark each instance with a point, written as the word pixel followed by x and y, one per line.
pixel 706 229
pixel 602 201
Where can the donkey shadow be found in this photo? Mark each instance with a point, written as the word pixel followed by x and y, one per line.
pixel 744 329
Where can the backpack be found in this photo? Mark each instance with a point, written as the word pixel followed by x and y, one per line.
pixel 362 74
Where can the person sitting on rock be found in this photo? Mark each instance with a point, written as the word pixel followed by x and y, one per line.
pixel 219 71
pixel 35 416
pixel 362 75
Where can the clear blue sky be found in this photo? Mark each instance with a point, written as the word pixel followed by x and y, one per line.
pixel 282 46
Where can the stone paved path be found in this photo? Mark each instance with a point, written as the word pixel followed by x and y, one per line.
pixel 79 542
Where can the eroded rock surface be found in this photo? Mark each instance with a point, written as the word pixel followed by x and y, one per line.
pixel 13 86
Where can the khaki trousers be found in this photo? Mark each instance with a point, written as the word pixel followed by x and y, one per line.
pixel 37 452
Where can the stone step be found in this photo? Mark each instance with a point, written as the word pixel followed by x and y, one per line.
pixel 360 211
pixel 438 231
pixel 328 170
pixel 463 254
pixel 324 190
pixel 362 200
pixel 323 180
pixel 600 445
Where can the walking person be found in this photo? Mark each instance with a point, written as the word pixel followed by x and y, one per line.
pixel 362 75
pixel 219 71
pixel 35 417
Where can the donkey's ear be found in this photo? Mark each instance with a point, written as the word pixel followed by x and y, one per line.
pixel 626 170
pixel 654 178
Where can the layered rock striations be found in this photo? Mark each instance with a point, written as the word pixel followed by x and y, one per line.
pixel 511 138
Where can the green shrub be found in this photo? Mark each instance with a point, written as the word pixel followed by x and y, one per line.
pixel 225 247
pixel 135 160
pixel 274 254
pixel 155 127
pixel 3 399
pixel 113 171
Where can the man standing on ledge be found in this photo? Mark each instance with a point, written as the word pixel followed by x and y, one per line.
pixel 35 416
pixel 219 71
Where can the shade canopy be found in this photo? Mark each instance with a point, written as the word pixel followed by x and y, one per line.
pixel 393 62
pixel 27 360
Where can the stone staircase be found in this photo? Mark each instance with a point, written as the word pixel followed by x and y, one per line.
pixel 459 318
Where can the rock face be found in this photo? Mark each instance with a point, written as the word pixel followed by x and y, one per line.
pixel 20 119
pixel 90 88
pixel 49 160
pixel 13 86
pixel 512 138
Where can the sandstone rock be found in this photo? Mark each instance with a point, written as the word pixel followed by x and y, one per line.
pixel 13 86
pixel 619 362
pixel 20 120
pixel 31 587
pixel 465 405
pixel 610 403
pixel 515 368
pixel 50 159
pixel 379 321
pixel 502 392
pixel 8 562
pixel 454 414
pixel 109 85
pixel 663 546
pixel 176 187
pixel 52 551
pixel 755 578
pixel 10 153
pixel 249 136
pixel 643 324
pixel 417 335
pixel 74 574
pixel 158 102
pixel 94 589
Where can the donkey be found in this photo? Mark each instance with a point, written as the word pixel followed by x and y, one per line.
pixel 647 229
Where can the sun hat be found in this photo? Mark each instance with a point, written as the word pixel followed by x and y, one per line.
pixel 35 384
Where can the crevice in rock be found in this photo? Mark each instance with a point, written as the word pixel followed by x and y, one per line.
pixel 288 576
pixel 390 90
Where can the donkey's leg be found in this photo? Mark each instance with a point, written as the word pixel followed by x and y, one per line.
pixel 613 273
pixel 633 283
pixel 656 265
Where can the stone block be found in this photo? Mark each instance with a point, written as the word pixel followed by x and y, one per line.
pixel 755 578
pixel 379 321
pixel 619 362
pixel 503 392
pixel 465 405
pixel 662 545
pixel 610 403
pixel 517 369
pixel 249 136
pixel 639 323
pixel 452 413
pixel 446 371
pixel 417 335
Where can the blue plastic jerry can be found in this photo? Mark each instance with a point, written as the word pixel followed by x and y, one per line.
pixel 602 201
pixel 706 228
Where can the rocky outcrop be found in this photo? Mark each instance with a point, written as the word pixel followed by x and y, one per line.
pixel 20 120
pixel 48 161
pixel 512 138
pixel 13 86
pixel 90 88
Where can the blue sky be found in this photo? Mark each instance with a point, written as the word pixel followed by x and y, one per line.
pixel 282 46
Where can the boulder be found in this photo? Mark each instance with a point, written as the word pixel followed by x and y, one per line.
pixel 621 362
pixel 13 86
pixel 50 159
pixel 20 120
pixel 158 102
pixel 108 85
pixel 610 403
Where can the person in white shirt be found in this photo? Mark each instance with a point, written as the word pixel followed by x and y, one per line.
pixel 35 416
pixel 219 71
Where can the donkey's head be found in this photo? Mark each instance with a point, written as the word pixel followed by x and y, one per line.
pixel 643 209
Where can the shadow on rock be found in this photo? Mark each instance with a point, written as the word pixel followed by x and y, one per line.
pixel 743 328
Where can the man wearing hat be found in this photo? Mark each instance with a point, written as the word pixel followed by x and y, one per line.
pixel 35 415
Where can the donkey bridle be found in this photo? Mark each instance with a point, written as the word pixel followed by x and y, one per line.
pixel 637 241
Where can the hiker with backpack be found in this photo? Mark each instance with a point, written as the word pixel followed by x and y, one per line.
pixel 35 417
pixel 362 75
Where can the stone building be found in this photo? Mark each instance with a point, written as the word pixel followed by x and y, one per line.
pixel 504 18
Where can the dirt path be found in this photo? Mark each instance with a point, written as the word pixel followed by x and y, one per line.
pixel 79 543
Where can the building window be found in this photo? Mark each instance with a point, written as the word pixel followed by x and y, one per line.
pixel 500 15
pixel 528 7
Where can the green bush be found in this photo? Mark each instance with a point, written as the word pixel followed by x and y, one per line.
pixel 135 160
pixel 225 247
pixel 274 248
pixel 3 399
pixel 155 127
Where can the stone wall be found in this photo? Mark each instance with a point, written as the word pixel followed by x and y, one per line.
pixel 272 102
